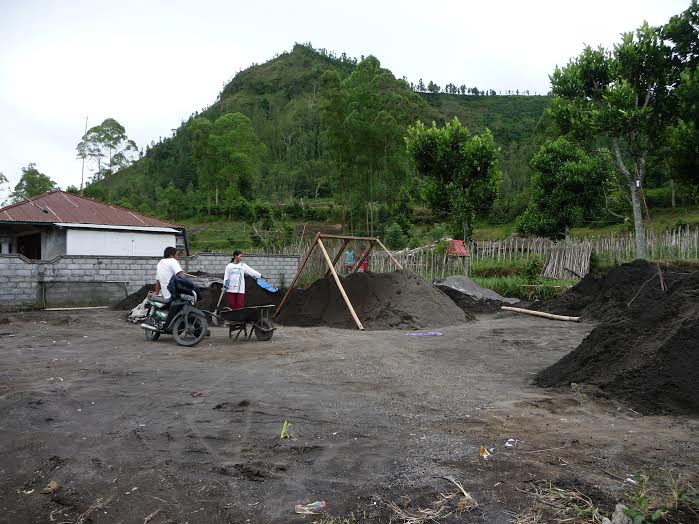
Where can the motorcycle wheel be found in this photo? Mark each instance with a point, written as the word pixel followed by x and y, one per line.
pixel 197 330
pixel 151 336
pixel 264 330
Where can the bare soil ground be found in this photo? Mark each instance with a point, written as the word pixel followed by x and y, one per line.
pixel 136 431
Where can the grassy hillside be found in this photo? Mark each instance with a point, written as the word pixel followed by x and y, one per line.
pixel 283 99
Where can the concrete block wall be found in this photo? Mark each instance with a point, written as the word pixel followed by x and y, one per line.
pixel 25 282
pixel 280 269
pixel 18 280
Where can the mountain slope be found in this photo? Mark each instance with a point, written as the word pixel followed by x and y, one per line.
pixel 282 99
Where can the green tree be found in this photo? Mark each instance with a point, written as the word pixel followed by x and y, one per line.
pixel 461 171
pixel 568 186
pixel 107 141
pixel 228 154
pixel 365 117
pixel 4 185
pixel 32 183
pixel 682 31
pixel 72 189
pixel 394 236
pixel 622 95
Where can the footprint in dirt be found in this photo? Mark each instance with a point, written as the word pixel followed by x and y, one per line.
pixel 232 406
pixel 253 471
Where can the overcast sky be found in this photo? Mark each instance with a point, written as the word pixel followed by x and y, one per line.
pixel 150 64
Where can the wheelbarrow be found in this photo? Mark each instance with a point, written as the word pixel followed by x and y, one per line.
pixel 248 320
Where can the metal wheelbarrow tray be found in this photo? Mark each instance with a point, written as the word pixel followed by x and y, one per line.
pixel 257 316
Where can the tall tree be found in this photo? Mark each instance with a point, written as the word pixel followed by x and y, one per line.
pixel 32 183
pixel 568 186
pixel 366 116
pixel 228 154
pixel 622 95
pixel 107 141
pixel 682 31
pixel 461 171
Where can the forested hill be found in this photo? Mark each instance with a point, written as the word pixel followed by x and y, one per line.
pixel 285 101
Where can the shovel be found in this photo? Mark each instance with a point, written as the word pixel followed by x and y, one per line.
pixel 214 317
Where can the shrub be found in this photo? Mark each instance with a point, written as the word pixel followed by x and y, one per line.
pixel 395 239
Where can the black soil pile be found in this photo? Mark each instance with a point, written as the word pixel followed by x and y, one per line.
pixel 603 297
pixel 646 353
pixel 134 299
pixel 471 297
pixel 211 291
pixel 400 299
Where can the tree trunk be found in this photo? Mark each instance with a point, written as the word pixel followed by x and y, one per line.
pixel 672 187
pixel 638 226
pixel 464 225
pixel 635 181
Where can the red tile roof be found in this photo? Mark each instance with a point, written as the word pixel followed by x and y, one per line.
pixel 62 207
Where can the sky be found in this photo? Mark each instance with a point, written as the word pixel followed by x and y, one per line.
pixel 151 64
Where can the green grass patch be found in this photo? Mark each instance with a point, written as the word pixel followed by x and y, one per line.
pixel 517 286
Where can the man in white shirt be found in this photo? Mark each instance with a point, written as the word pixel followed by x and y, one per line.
pixel 166 269
pixel 234 280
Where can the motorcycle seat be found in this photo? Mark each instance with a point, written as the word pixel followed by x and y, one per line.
pixel 161 300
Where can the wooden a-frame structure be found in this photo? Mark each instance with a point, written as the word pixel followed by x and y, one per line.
pixel 318 241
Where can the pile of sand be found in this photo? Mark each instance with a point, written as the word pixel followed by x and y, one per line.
pixel 400 299
pixel 602 297
pixel 646 350
pixel 471 297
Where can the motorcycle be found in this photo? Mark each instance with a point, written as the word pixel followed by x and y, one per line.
pixel 178 316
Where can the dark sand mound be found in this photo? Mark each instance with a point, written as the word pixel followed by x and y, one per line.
pixel 211 290
pixel 471 297
pixel 603 297
pixel 646 353
pixel 134 299
pixel 400 299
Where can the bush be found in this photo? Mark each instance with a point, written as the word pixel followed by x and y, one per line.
pixel 394 237
pixel 438 232
pixel 659 197
pixel 532 271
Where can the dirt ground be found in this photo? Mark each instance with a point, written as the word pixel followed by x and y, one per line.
pixel 137 431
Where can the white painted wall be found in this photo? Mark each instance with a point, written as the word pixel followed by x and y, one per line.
pixel 117 243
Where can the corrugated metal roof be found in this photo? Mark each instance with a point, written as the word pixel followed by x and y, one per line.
pixel 458 249
pixel 61 207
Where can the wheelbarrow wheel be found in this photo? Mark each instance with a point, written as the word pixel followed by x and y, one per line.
pixel 264 329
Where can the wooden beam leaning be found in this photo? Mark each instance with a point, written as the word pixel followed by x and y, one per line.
pixel 339 284
pixel 345 237
pixel 389 254
pixel 366 255
pixel 298 274
pixel 337 257
pixel 541 314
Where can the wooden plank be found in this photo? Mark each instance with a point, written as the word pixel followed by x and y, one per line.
pixel 366 254
pixel 339 285
pixel 298 274
pixel 389 253
pixel 344 237
pixel 540 314
pixel 337 257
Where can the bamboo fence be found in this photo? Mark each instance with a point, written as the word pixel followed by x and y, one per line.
pixel 562 259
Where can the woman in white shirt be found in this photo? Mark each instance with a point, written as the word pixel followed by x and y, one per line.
pixel 234 280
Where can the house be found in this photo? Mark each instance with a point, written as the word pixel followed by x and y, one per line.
pixel 60 223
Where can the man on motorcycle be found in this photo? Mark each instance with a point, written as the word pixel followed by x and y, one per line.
pixel 165 270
